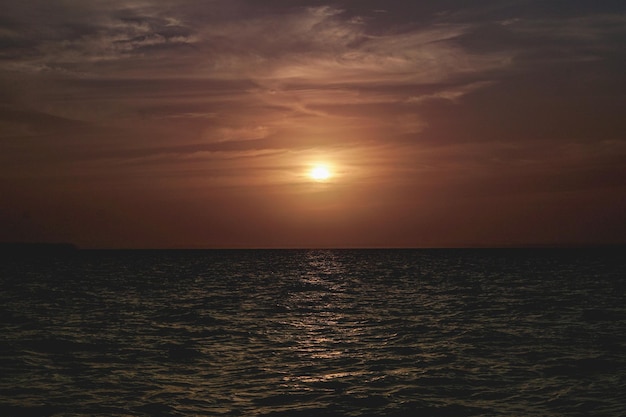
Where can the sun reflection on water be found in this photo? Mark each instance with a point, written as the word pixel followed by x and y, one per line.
pixel 325 338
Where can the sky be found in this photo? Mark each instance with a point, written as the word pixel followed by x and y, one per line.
pixel 195 124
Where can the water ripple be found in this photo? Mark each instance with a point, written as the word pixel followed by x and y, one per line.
pixel 288 333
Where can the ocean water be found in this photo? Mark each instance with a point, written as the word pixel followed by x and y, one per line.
pixel 314 333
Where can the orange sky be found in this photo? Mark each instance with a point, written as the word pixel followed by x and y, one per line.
pixel 151 124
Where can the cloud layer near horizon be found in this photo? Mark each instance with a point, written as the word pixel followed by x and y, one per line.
pixel 153 123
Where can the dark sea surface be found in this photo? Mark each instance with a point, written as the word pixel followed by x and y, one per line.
pixel 314 333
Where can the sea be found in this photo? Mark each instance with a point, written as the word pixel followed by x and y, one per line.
pixel 414 332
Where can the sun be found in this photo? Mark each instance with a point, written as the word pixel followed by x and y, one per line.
pixel 320 173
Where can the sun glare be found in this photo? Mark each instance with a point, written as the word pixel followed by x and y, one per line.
pixel 320 173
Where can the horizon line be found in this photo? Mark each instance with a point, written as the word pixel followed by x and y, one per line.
pixel 71 247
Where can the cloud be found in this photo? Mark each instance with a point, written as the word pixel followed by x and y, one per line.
pixel 242 73
pixel 71 37
pixel 534 42
pixel 452 94
pixel 318 45
pixel 314 44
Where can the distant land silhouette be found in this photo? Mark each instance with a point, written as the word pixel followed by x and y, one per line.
pixel 27 248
